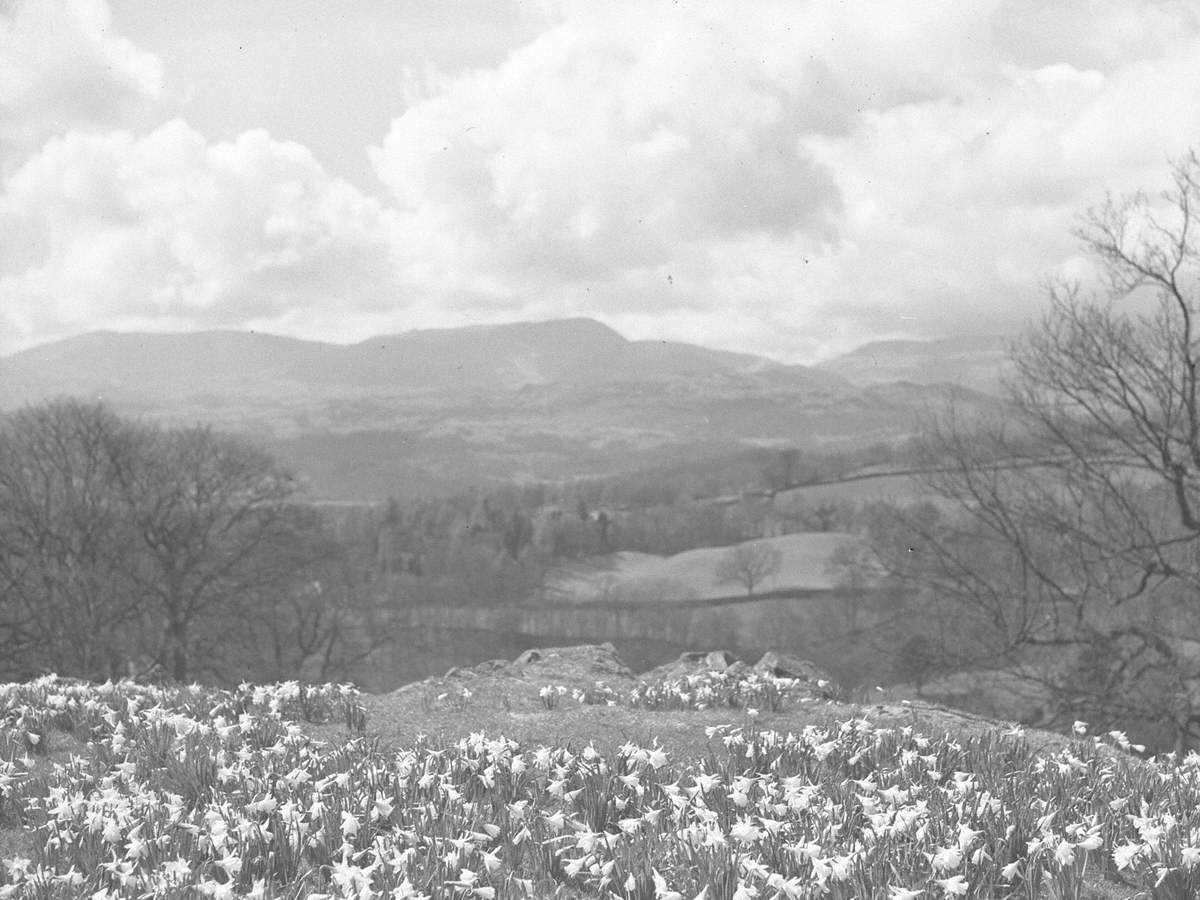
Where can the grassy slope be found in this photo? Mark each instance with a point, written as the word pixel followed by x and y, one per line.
pixel 892 488
pixel 692 575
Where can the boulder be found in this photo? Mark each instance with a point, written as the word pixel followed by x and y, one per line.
pixel 719 660
pixel 591 661
pixel 737 669
pixel 784 665
pixel 695 662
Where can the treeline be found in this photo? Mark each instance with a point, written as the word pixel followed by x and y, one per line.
pixel 770 470
pixel 498 545
pixel 127 546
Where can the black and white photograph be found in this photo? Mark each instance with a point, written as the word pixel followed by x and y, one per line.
pixel 600 449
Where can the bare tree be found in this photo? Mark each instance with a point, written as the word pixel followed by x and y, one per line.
pixel 66 598
pixel 781 470
pixel 853 568
pixel 122 543
pixel 1068 540
pixel 204 508
pixel 316 619
pixel 749 564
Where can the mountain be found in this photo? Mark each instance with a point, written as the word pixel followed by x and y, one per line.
pixel 146 368
pixel 132 366
pixel 566 351
pixel 431 411
pixel 976 362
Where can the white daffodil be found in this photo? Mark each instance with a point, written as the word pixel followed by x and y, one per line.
pixel 954 886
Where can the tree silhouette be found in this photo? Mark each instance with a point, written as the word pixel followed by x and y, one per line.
pixel 1067 545
pixel 749 564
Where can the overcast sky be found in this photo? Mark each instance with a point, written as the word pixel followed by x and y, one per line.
pixel 791 178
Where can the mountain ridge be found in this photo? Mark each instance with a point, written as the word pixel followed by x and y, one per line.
pixel 573 351
pixel 87 361
pixel 441 410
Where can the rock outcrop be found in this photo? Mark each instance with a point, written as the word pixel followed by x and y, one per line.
pixel 780 665
pixel 694 662
pixel 584 664
pixel 783 665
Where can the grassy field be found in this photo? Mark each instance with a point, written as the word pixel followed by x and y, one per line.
pixel 900 489
pixel 125 791
pixel 692 575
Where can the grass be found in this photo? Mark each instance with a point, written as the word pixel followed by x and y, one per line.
pixel 711 786
pixel 896 488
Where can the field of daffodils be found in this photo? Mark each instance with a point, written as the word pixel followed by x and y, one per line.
pixel 194 792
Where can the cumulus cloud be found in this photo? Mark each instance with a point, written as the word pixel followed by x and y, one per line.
pixel 61 67
pixel 615 141
pixel 957 210
pixel 167 228
pixel 1097 34
pixel 793 178
pixel 784 178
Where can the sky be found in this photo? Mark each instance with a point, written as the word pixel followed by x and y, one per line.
pixel 790 178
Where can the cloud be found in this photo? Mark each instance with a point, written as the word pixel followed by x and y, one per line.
pixel 1096 34
pixel 614 141
pixel 122 231
pixel 771 176
pixel 792 178
pixel 62 68
pixel 957 210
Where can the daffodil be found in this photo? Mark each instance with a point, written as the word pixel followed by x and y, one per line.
pixel 954 886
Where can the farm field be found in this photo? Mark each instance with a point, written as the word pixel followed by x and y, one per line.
pixel 131 791
pixel 691 575
pixel 870 488
pixel 872 485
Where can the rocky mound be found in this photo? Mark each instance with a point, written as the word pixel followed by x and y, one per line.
pixel 585 666
pixel 508 697
pixel 579 666
pixel 516 683
pixel 814 681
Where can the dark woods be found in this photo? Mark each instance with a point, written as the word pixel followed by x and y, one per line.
pixel 126 546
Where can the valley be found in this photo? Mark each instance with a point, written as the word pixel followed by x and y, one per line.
pixel 497 488
pixel 436 412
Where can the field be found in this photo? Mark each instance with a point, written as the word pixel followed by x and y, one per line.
pixel 640 577
pixel 869 488
pixel 131 791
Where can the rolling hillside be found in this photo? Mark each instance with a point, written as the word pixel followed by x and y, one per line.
pixel 975 362
pixel 642 577
pixel 866 488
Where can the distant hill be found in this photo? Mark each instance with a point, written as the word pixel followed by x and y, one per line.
pixel 431 411
pixel 148 368
pixel 975 361
pixel 567 351
pixel 145 368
